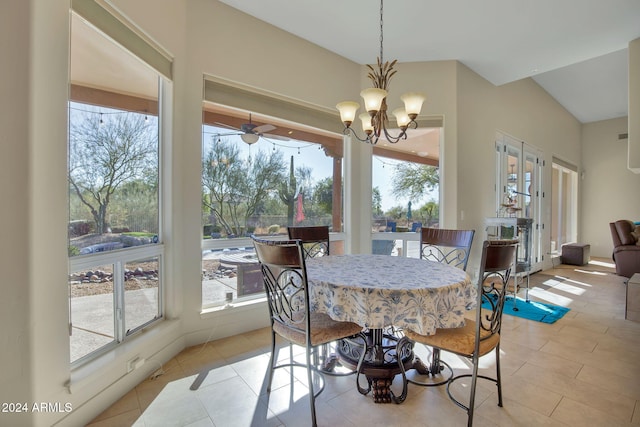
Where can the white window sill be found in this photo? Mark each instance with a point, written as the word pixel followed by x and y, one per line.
pixel 110 367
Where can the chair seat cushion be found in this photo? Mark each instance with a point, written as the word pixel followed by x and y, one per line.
pixel 323 330
pixel 457 340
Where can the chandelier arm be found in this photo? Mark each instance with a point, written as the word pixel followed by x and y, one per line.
pixel 350 132
pixel 394 139
pixel 378 132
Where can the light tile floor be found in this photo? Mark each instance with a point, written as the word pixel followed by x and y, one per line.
pixel 583 370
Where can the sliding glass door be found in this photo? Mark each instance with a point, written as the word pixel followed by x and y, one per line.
pixel 518 187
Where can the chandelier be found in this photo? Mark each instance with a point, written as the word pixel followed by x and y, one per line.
pixel 375 120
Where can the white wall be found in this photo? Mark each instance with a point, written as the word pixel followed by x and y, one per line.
pixel 436 79
pixel 15 334
pixel 522 110
pixel 34 338
pixel 33 112
pixel 610 191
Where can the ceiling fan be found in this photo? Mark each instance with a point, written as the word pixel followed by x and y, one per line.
pixel 250 132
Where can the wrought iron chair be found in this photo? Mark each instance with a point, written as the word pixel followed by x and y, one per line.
pixel 447 247
pixel 315 239
pixel 480 337
pixel 285 280
pixel 315 243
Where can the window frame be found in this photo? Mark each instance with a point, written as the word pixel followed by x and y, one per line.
pixel 149 56
pixel 214 113
pixel 119 258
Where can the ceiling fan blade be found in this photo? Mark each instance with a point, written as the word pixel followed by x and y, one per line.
pixel 226 126
pixel 263 128
pixel 278 137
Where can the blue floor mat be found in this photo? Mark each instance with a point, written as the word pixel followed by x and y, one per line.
pixel 533 310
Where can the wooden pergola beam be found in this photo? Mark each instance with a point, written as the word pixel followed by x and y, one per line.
pixel 108 99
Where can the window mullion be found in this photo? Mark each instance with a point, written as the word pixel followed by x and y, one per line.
pixel 118 300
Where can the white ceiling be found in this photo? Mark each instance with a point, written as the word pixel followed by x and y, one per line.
pixel 575 49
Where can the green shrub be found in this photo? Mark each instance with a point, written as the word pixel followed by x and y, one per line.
pixel 273 229
pixel 80 228
pixel 209 229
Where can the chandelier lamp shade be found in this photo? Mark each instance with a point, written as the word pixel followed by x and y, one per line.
pixel 375 121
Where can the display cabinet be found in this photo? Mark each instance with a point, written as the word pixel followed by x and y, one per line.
pixel 507 228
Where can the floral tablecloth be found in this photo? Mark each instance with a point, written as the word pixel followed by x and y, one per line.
pixel 376 291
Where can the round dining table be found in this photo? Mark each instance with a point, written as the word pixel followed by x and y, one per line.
pixel 387 293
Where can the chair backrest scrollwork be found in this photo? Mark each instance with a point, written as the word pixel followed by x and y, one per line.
pixel 446 246
pixel 315 239
pixel 285 281
pixel 496 265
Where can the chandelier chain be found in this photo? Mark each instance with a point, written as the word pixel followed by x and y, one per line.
pixel 375 120
pixel 381 32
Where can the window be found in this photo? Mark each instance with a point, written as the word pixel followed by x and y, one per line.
pixel 405 192
pixel 564 204
pixel 259 185
pixel 115 249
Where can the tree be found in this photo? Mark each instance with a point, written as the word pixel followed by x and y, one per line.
pixel 262 176
pixel 376 202
pixel 107 153
pixel 396 212
pixel 413 180
pixel 235 189
pixel 220 178
pixel 287 193
pixel 430 212
pixel 323 196
pixel 135 206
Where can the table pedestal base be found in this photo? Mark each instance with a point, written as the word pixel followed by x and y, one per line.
pixel 381 390
pixel 386 356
